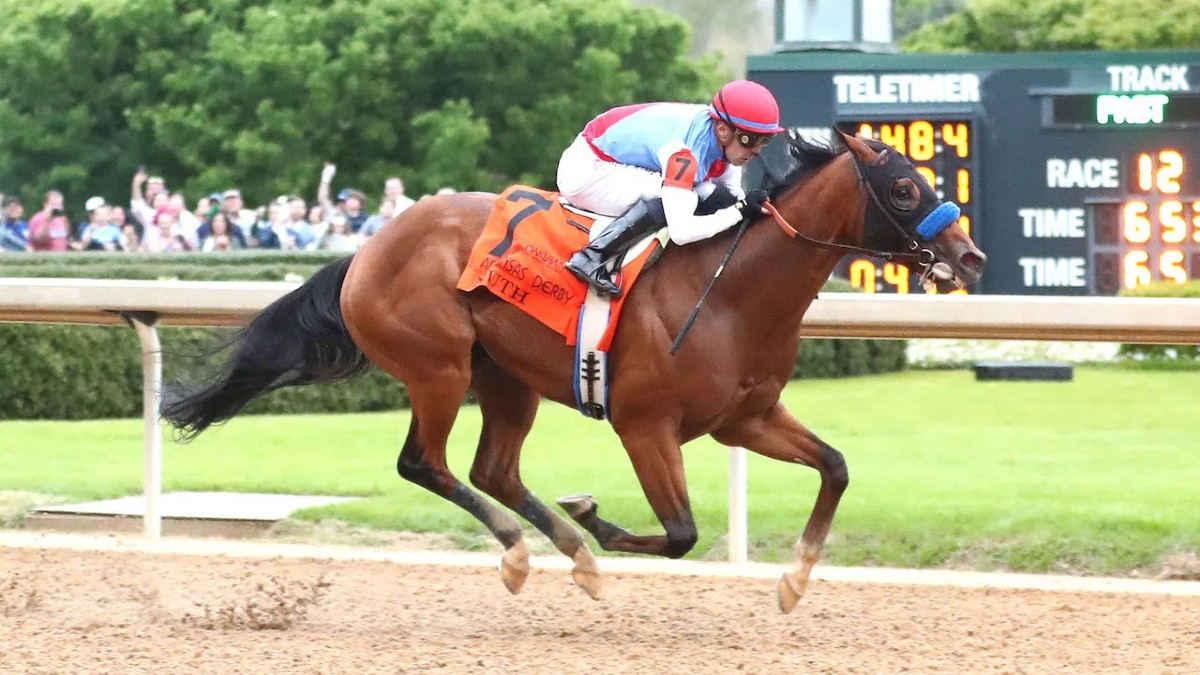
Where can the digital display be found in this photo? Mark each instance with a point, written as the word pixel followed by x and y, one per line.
pixel 1076 172
pixel 1125 109
pixel 941 151
pixel 1154 233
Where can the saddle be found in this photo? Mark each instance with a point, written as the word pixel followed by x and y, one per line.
pixel 519 257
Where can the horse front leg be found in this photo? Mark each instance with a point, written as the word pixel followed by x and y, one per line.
pixel 778 435
pixel 658 462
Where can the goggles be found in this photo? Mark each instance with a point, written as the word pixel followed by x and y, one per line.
pixel 750 140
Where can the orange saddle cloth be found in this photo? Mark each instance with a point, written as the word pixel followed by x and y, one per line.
pixel 520 257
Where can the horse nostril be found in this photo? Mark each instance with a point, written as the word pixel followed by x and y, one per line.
pixel 973 260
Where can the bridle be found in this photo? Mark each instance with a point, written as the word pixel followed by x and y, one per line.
pixel 920 255
pixel 916 253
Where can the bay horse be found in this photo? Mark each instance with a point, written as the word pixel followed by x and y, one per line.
pixel 394 304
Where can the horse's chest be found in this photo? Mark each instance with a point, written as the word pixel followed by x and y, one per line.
pixel 755 395
pixel 763 380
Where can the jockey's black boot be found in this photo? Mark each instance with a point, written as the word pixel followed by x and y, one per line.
pixel 588 263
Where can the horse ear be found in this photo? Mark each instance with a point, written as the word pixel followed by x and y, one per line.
pixel 854 144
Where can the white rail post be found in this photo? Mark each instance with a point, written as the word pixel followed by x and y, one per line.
pixel 737 505
pixel 143 323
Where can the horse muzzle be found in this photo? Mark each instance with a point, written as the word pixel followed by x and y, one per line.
pixel 958 262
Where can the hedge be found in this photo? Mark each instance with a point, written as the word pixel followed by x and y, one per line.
pixel 90 372
pixel 227 266
pixel 1163 289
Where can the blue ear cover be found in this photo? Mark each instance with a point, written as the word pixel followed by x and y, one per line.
pixel 937 220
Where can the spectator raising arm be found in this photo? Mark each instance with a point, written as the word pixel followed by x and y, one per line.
pixel 327 174
pixel 139 208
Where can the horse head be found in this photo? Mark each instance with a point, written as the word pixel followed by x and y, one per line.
pixel 905 215
pixel 898 213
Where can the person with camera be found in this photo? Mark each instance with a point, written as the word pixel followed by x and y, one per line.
pixel 48 228
pixel 99 233
pixel 164 236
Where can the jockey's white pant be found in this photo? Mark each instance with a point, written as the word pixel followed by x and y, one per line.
pixel 605 187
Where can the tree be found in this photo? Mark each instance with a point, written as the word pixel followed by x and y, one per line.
pixel 70 77
pixel 258 93
pixel 1056 25
pixel 728 29
pixel 909 15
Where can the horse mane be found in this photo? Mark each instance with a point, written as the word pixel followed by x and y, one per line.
pixel 805 158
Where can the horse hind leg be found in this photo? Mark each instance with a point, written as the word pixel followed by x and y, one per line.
pixel 423 461
pixel 508 407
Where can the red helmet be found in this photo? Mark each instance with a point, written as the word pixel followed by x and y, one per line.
pixel 747 105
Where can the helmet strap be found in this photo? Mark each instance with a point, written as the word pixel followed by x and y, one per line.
pixel 724 111
pixel 724 114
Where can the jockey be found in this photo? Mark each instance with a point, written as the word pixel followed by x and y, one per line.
pixel 628 159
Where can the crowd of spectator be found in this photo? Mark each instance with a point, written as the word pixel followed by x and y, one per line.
pixel 158 220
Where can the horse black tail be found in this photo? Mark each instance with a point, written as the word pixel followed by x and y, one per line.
pixel 299 339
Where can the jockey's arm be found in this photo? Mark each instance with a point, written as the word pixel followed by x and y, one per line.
pixel 679 199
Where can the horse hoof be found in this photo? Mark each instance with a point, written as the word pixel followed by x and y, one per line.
pixel 788 592
pixel 577 506
pixel 587 573
pixel 514 567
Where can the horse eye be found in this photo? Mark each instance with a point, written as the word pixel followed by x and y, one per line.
pixel 905 194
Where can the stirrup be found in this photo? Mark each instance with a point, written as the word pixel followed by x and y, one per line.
pixel 605 284
pixel 593 273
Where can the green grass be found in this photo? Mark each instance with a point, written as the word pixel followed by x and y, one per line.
pixel 1098 475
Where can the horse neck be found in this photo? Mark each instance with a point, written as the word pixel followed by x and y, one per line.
pixel 773 278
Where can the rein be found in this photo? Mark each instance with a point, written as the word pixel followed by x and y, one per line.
pixel 921 256
pixel 687 325
pixel 873 253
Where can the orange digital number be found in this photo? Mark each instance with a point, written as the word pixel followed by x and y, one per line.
pixel 896 275
pixel 1165 177
pixel 964 186
pixel 1196 222
pixel 964 222
pixel 1137 270
pixel 957 136
pixel 920 141
pixel 929 175
pixel 1145 172
pixel 893 135
pixel 862 275
pixel 866 130
pixel 1169 172
pixel 1170 214
pixel 1170 264
pixel 1135 224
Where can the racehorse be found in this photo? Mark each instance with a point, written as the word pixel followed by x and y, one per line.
pixel 394 304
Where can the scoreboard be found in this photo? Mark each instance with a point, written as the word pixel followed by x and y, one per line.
pixel 1077 173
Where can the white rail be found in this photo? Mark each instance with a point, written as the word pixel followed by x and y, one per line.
pixel 215 303
pixel 148 304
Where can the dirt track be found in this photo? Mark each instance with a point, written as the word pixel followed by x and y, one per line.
pixel 137 612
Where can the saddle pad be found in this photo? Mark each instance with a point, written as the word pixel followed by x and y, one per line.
pixel 520 258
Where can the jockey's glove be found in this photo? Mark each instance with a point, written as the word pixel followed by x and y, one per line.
pixel 751 206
